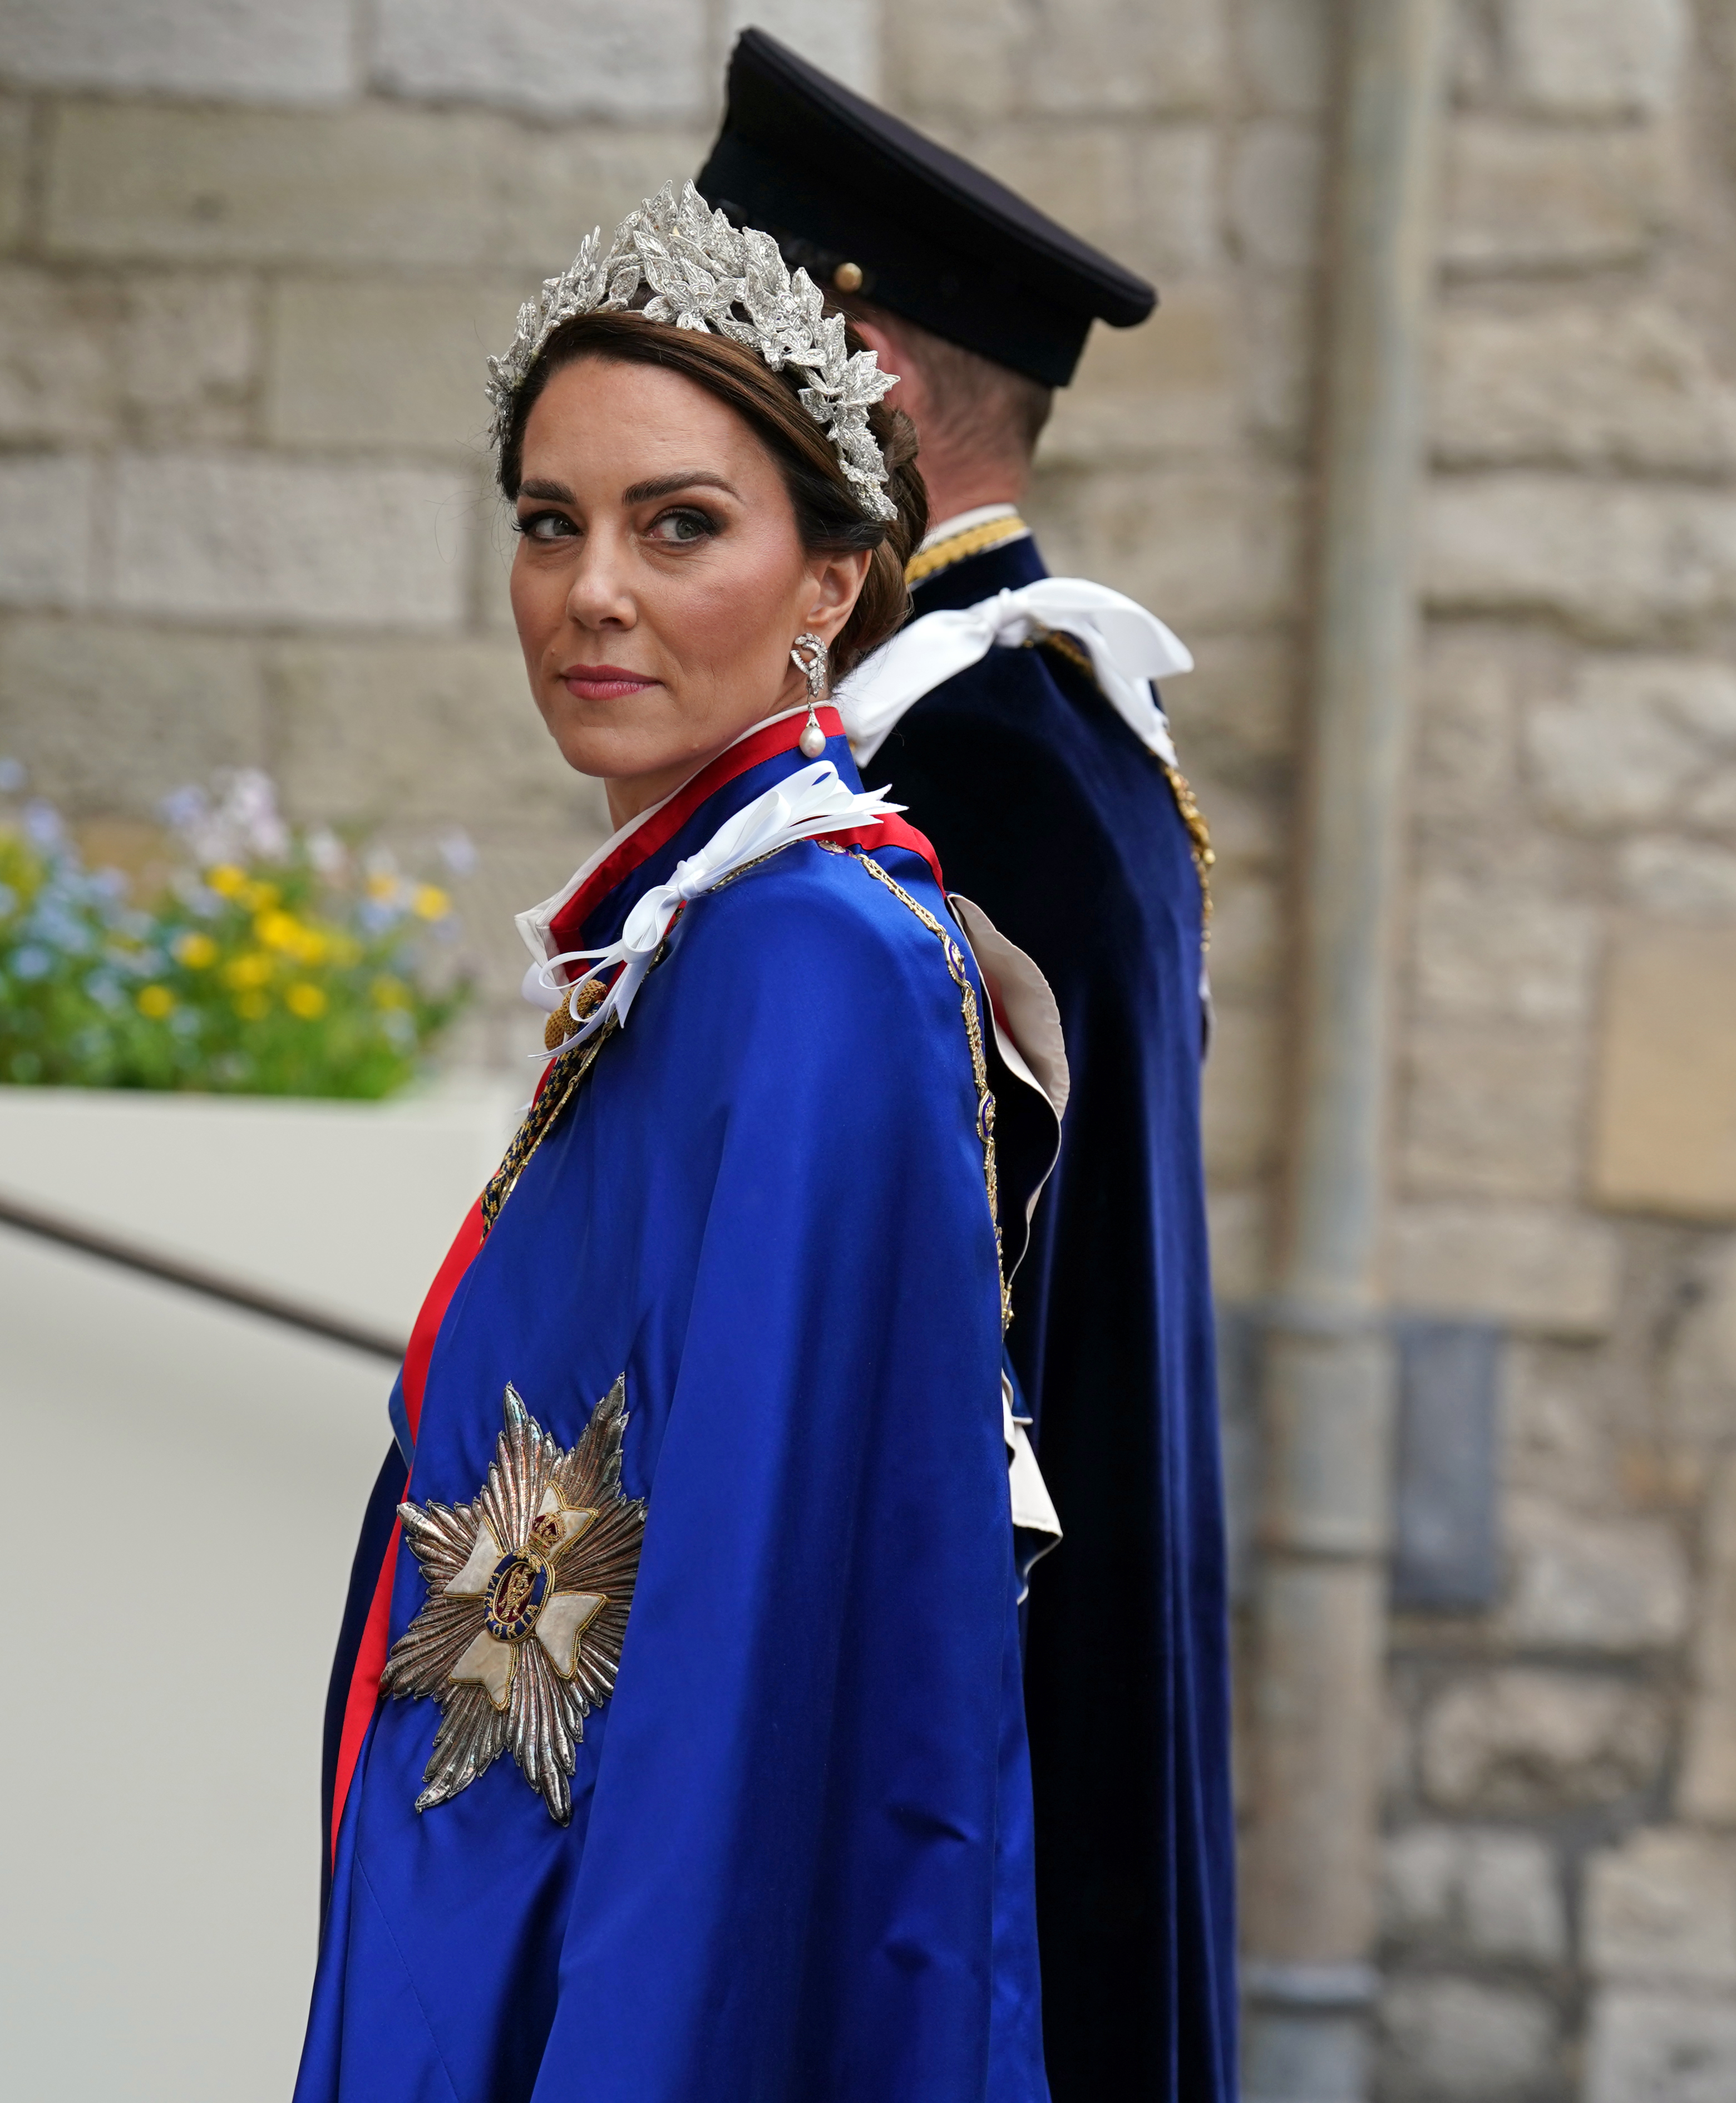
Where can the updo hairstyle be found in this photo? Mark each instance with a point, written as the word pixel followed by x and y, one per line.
pixel 828 517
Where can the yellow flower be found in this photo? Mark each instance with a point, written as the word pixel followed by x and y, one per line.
pixel 226 879
pixel 196 951
pixel 251 1007
pixel 391 993
pixel 278 931
pixel 156 1001
pixel 252 969
pixel 431 902
pixel 258 897
pixel 307 1000
pixel 383 885
pixel 345 951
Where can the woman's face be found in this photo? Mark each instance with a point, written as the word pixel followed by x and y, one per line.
pixel 659 580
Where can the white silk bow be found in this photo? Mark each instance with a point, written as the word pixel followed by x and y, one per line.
pixel 1128 648
pixel 802 805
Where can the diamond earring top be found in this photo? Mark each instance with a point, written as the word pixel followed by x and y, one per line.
pixel 808 655
pixel 702 274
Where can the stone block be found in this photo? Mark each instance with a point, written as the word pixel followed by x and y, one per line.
pixel 1239 1105
pixel 559 57
pixel 1581 386
pixel 56 364
pixel 1497 951
pixel 1278 343
pixel 1454 2039
pixel 1596 58
pixel 1661 1909
pixel 1205 548
pixel 14 168
pixel 1478 1891
pixel 1240 1222
pixel 1678 878
pixel 1274 201
pixel 1521 1743
pixel 354 725
pixel 983 58
pixel 369 185
pixel 1642 740
pixel 1237 710
pixel 383 363
pixel 841 37
pixel 1532 1265
pixel 1285 50
pixel 1706 1788
pixel 1492 1113
pixel 258 540
pixel 237 51
pixel 1466 770
pixel 110 718
pixel 47 517
pixel 1146 193
pixel 1562 198
pixel 1558 1442
pixel 1618 563
pixel 1665 1129
pixel 1150 392
pixel 1647 2047
pixel 1612 1585
pixel 186 356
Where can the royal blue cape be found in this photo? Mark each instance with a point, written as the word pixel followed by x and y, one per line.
pixel 799 1864
pixel 1047 810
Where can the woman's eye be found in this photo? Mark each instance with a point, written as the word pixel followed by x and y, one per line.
pixel 546 525
pixel 680 529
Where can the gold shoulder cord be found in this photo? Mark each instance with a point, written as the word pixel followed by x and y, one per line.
pixel 960 547
pixel 967 1001
pixel 1199 837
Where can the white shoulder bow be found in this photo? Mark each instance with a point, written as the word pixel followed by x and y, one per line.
pixel 1128 648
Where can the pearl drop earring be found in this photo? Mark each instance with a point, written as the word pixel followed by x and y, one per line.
pixel 813 669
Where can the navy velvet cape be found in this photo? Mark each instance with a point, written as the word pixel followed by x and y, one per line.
pixel 1046 809
pixel 799 1864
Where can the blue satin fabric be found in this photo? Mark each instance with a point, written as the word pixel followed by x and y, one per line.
pixel 1046 809
pixel 800 1863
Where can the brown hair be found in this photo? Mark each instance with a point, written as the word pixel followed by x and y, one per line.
pixel 829 518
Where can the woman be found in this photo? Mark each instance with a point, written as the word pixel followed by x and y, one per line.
pixel 707 1449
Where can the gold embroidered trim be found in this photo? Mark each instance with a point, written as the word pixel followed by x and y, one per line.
pixel 960 547
pixel 967 1001
pixel 1192 817
pixel 558 1090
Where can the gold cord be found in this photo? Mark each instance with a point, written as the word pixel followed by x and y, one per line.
pixel 960 547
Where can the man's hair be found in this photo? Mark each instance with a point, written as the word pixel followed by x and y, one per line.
pixel 987 407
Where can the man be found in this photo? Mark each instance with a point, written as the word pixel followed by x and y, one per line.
pixel 983 306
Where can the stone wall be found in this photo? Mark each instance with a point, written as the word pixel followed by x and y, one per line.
pixel 249 259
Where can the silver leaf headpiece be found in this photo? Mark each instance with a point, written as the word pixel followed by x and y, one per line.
pixel 704 273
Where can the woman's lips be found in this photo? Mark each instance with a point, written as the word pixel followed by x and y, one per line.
pixel 603 683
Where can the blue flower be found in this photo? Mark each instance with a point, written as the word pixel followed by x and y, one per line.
pixel 32 962
pixel 42 825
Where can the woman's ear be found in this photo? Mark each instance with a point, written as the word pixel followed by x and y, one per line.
pixel 838 580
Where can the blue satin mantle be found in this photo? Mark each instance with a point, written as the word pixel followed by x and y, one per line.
pixel 800 1861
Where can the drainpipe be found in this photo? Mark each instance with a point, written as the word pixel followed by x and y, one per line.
pixel 1328 1372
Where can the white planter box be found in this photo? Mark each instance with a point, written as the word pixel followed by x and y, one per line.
pixel 164 1770
pixel 347 1206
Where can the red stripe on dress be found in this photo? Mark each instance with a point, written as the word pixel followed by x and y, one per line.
pixel 371 1653
pixel 659 830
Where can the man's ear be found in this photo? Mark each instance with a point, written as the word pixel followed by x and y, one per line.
pixel 895 355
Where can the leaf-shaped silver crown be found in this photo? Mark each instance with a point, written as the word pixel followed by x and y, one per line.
pixel 704 273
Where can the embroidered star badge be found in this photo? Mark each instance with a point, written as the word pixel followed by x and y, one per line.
pixel 529 1586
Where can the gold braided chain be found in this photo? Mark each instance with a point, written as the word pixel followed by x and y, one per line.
pixel 985 1101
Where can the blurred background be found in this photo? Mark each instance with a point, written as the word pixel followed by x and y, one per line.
pixel 253 257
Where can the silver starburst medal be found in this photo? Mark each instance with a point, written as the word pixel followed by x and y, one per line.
pixel 529 1586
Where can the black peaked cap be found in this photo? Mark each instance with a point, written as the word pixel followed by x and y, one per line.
pixel 840 184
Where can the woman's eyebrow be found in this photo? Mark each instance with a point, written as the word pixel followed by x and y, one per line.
pixel 666 485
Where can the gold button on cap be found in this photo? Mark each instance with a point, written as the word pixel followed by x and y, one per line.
pixel 848 277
